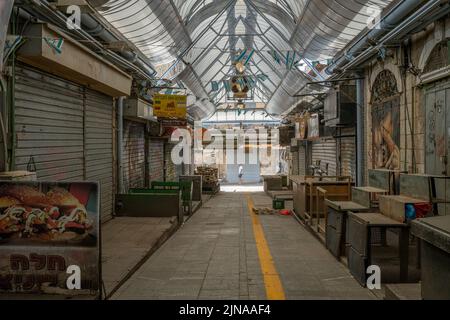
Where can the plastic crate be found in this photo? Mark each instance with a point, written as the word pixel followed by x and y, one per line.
pixel 279 204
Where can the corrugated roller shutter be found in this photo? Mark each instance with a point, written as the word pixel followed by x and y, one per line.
pixel 134 155
pixel 49 126
pixel 64 132
pixel 348 154
pixel 99 158
pixel 302 161
pixel 325 151
pixel 170 168
pixel 156 160
pixel 294 164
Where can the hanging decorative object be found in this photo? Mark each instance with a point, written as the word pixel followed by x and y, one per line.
pixel 262 77
pixel 227 85
pixel 291 59
pixel 241 56
pixel 55 44
pixel 275 56
pixel 251 82
pixel 249 57
pixel 239 87
pixel 242 81
pixel 214 86
pixel 244 58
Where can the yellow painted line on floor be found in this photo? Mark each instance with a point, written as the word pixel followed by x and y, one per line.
pixel 272 281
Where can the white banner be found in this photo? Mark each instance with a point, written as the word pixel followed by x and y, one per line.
pixel 5 13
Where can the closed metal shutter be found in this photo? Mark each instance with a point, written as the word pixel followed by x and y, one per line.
pixel 64 132
pixel 156 160
pixel 295 163
pixel 99 158
pixel 171 172
pixel 348 154
pixel 49 126
pixel 134 155
pixel 302 161
pixel 325 151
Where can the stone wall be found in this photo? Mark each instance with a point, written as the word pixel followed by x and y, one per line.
pixel 412 107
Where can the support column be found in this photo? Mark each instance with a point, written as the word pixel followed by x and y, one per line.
pixel 120 144
pixel 360 131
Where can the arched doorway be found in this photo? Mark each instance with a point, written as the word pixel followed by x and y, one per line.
pixel 385 122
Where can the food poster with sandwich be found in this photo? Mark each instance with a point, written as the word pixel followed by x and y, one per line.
pixel 50 239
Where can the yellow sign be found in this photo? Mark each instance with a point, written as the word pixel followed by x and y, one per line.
pixel 169 106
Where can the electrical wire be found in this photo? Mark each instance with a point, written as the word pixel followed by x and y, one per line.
pixel 3 128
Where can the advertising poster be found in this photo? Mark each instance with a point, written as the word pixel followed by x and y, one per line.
pixel 313 127
pixel 49 239
pixel 170 106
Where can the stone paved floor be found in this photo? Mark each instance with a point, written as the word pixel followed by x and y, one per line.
pixel 125 242
pixel 214 256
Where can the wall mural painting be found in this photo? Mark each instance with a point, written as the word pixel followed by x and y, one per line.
pixel 385 122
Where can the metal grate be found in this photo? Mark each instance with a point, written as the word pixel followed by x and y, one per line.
pixel 439 58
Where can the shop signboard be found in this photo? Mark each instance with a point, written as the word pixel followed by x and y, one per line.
pixel 174 123
pixel 5 12
pixel 50 239
pixel 170 106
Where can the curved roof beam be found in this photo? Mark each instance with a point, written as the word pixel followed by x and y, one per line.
pixel 269 8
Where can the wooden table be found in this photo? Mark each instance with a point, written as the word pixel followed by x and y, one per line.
pixel 359 257
pixel 281 195
pixel 272 183
pixel 335 237
pixel 368 196
pixel 305 193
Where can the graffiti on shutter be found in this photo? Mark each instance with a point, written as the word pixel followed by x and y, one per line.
pixel 170 168
pixel 134 155
pixel 156 160
pixel 348 153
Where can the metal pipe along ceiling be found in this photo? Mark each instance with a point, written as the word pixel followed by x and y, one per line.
pixel 203 36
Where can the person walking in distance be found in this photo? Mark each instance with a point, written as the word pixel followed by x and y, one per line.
pixel 241 173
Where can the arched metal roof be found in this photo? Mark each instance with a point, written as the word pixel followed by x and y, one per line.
pixel 200 37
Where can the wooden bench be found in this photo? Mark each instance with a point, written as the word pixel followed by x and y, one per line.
pixel 186 188
pixel 162 204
